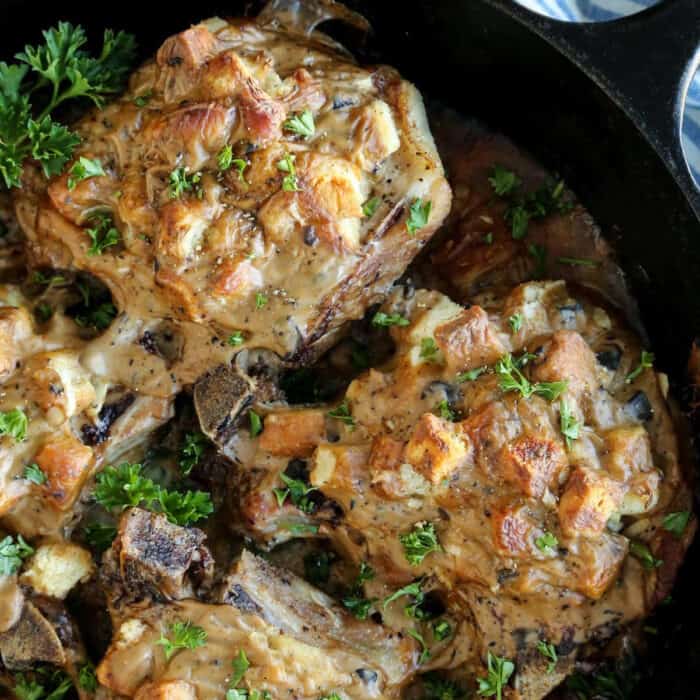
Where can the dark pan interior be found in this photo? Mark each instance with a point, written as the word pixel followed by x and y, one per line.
pixel 474 57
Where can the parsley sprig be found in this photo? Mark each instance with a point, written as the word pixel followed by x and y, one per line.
pixel 549 651
pixel 418 215
pixel 103 234
pixel 343 414
pixel 183 635
pixel 385 320
pixel 297 491
pixel 33 472
pixel 191 452
pixel 44 78
pixel 646 361
pixel 125 486
pixel 301 124
pixel 290 182
pixel 569 426
pixel 82 169
pixel 355 600
pixel 512 379
pixel 499 670
pixel 419 542
pixel 14 423
pixel 12 553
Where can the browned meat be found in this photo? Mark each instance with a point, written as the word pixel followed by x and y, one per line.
pixel 153 560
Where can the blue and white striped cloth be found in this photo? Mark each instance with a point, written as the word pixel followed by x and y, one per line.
pixel 606 10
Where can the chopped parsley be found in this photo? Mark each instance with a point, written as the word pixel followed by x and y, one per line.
pixel 290 182
pixel 429 350
pixel 646 361
pixel 470 375
pixel 240 666
pixel 144 98
pixel 569 426
pixel 180 182
pixel 355 600
pixel 441 630
pixel 260 300
pixel 547 542
pixel 503 181
pixel 39 277
pixel 499 671
pixel 414 589
pixel 675 523
pixel 103 234
pixel 183 635
pixel 298 492
pixel 301 124
pixel 82 169
pixel 425 651
pixel 642 552
pixel 515 322
pixel 191 451
pixel 488 238
pixel 43 312
pixel 549 652
pixel 419 543
pixel 225 161
pixel 418 215
pixel 382 319
pixel 98 317
pixel 14 423
pixel 256 425
pixel 48 684
pixel 33 472
pixel 235 339
pixel 512 379
pixel 343 414
pixel 12 553
pixel 87 679
pixel 444 411
pixel 370 206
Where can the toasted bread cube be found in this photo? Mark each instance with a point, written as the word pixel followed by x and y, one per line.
pixel 627 452
pixel 15 326
pixel 469 340
pixel 374 134
pixel 56 567
pixel 642 493
pixel 386 454
pixel 337 469
pixel 435 448
pixel 532 463
pixel 589 500
pixel 513 530
pixel 166 690
pixel 533 301
pixel 597 563
pixel 66 463
pixel 568 358
pixel 59 384
pixel 293 433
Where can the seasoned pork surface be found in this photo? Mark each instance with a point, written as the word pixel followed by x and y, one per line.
pixel 255 182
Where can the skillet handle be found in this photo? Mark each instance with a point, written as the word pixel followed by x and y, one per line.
pixel 644 62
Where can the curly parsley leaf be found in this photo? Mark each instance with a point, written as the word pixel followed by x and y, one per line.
pixel 235 339
pixel 675 523
pixel 12 553
pixel 33 472
pixel 50 74
pixel 512 379
pixel 256 425
pixel 82 169
pixel 298 492
pixel 14 423
pixel 470 375
pixel 549 652
pixel 355 601
pixel 386 320
pixel 103 234
pixel 547 542
pixel 503 181
pixel 569 426
pixel 499 671
pixel 87 679
pixel 370 206
pixel 290 183
pixel 183 635
pixel 191 451
pixel 515 322
pixel 185 508
pixel 343 414
pixel 418 215
pixel 429 350
pixel 180 182
pixel 419 543
pixel 301 124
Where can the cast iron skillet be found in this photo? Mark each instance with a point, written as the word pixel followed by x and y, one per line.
pixel 597 103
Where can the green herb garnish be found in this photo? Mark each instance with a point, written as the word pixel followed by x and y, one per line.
pixel 646 361
pixel 382 319
pixel 33 472
pixel 419 542
pixel 499 671
pixel 301 124
pixel 14 423
pixel 183 635
pixel 418 215
pixel 82 169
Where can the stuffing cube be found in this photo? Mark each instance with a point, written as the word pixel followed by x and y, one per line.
pixel 166 690
pixel 532 463
pixel 15 326
pixel 513 530
pixel 469 340
pixel 66 463
pixel 435 448
pixel 293 433
pixel 386 454
pixel 55 568
pixel 627 452
pixel 589 500
pixel 568 358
